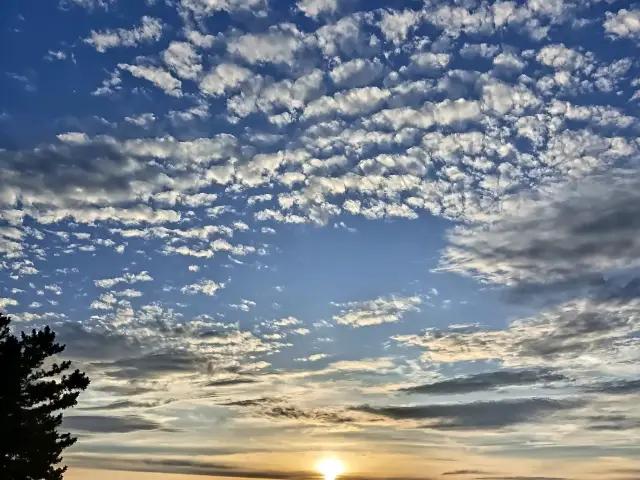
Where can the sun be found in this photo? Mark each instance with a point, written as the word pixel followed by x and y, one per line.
pixel 330 468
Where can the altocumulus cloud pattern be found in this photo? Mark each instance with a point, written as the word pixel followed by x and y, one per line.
pixel 406 232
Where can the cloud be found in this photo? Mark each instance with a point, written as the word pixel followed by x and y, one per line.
pixel 199 39
pixel 125 389
pixel 123 405
pixel 375 312
pixel 203 8
pixel 225 76
pixel 356 73
pixel 312 358
pixel 143 120
pixel 521 477
pixel 585 334
pixel 178 465
pixel 315 8
pixel 428 62
pixel 156 75
pixel 150 30
pixel 560 57
pixel 56 174
pixel 286 322
pixel 349 103
pixel 126 278
pixel 486 381
pixel 155 364
pixel 465 472
pixel 208 287
pixel 573 235
pixel 612 423
pixel 230 382
pixel 109 85
pixel 106 424
pixel 395 25
pixel 6 302
pixel 379 365
pixel 477 415
pixel 56 55
pixel 346 37
pixel 279 45
pixel 152 344
pixel 89 4
pixel 615 387
pixel 278 409
pixel 182 59
pixel 624 23
pixel 93 344
pixel 100 179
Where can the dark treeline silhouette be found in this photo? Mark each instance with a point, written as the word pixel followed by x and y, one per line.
pixel 34 390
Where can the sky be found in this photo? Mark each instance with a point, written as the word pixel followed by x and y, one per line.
pixel 400 234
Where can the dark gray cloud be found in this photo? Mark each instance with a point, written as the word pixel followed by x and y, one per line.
pixel 122 404
pixel 183 466
pixel 578 234
pixel 95 344
pixel 554 337
pixel 617 387
pixel 75 174
pixel 154 364
pixel 612 422
pixel 580 328
pixel 632 471
pixel 465 472
pixel 520 477
pixel 125 390
pixel 476 415
pixel 254 402
pixel 486 381
pixel 289 412
pixel 106 424
pixel 229 382
pixel 277 408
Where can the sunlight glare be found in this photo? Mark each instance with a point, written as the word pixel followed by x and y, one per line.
pixel 330 468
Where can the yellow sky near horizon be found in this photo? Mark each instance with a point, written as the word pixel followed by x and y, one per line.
pixel 92 474
pixel 404 467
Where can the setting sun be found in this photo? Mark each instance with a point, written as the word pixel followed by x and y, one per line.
pixel 330 468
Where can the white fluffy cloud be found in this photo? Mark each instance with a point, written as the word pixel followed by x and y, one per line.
pixel 7 302
pixel 209 7
pixel 206 287
pixel 395 25
pixel 223 77
pixel 181 58
pixel 314 8
pixel 356 73
pixel 624 23
pixel 149 30
pixel 427 62
pixel 351 102
pixel 375 312
pixel 126 278
pixel 159 77
pixel 279 45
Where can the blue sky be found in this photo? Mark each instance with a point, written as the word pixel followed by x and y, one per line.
pixel 403 234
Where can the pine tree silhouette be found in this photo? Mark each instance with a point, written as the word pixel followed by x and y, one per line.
pixel 34 390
